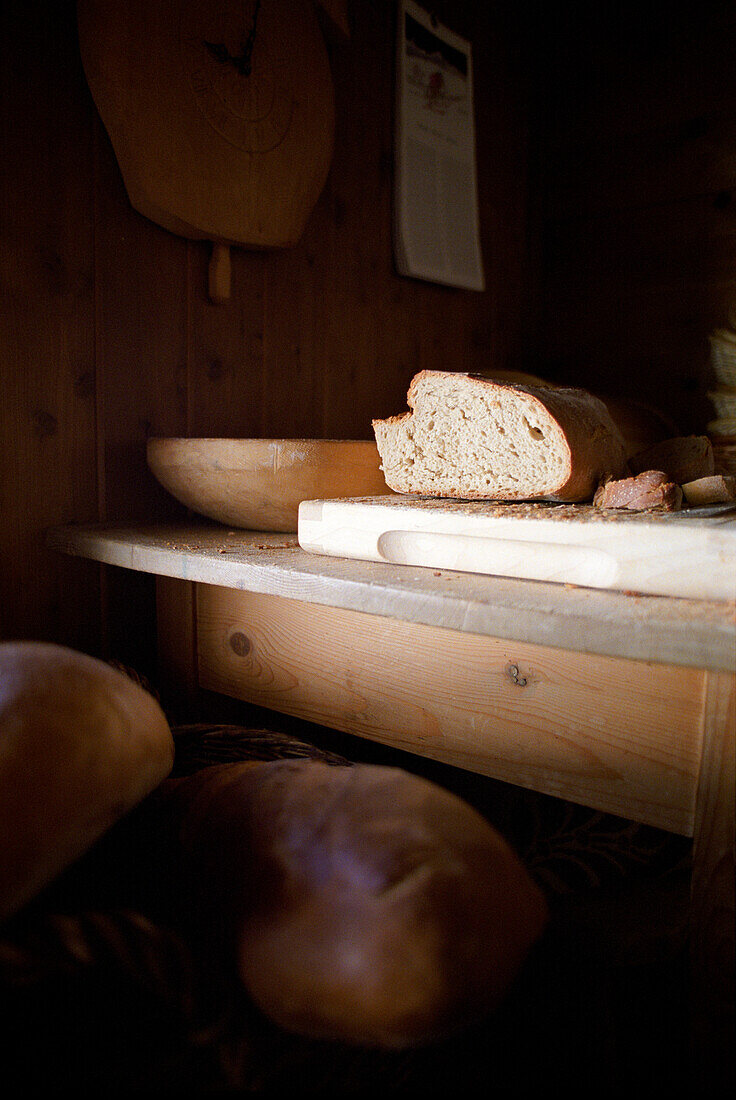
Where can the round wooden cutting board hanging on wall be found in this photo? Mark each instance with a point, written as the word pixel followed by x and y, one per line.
pixel 220 112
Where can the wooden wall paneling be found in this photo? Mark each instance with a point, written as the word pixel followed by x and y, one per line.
pixel 141 290
pixel 682 245
pixel 647 342
pixel 141 282
pixel 333 328
pixel 502 60
pixel 466 330
pixel 315 340
pixel 690 241
pixel 485 330
pixel 645 335
pixel 635 169
pixel 295 315
pixel 47 412
pixel 225 378
pixel 374 332
pixel 615 69
pixel 391 326
pixel 301 317
pixel 689 155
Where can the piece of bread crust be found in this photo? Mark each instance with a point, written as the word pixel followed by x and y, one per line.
pixel 649 491
pixel 81 744
pixel 468 437
pixel 683 458
pixel 717 489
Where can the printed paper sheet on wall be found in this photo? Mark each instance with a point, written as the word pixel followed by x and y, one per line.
pixel 436 230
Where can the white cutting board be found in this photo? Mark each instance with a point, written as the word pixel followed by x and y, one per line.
pixel 691 553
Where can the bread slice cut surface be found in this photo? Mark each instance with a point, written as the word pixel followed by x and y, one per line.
pixel 468 437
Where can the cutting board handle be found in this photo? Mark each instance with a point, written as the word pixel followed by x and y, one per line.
pixel 219 273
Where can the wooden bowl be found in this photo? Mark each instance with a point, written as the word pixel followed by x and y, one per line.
pixel 259 483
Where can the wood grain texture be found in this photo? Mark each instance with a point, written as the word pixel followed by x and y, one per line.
pixel 108 335
pixel 176 648
pixel 141 349
pixel 692 633
pixel 207 151
pixel 712 906
pixel 258 484
pixel 687 553
pixel 47 413
pixel 225 383
pixel 590 729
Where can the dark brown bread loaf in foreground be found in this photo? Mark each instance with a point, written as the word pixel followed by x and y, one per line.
pixel 80 745
pixel 360 904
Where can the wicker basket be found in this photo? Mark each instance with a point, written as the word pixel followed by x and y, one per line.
pixel 724 403
pixel 723 356
pixel 724 456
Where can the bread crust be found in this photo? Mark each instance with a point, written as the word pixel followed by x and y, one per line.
pixel 649 491
pixel 588 445
pixel 683 458
pixel 361 903
pixel 80 744
pixel 716 489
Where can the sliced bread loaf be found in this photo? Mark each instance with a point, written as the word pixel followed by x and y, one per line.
pixel 467 436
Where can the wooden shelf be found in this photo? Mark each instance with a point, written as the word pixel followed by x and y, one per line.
pixel 663 630
pixel 620 701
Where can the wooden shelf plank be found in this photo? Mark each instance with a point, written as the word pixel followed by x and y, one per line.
pixel 587 728
pixel 662 630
